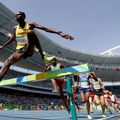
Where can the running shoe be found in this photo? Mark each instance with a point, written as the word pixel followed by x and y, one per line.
pixel 54 91
pixel 89 117
pixel 104 116
pixel 48 58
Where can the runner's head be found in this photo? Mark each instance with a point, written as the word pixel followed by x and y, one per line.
pixel 93 75
pixel 110 93
pixel 20 16
pixel 54 61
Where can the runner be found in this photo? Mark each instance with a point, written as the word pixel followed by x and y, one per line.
pixel 115 102
pixel 58 82
pixel 85 91
pixel 75 98
pixel 91 100
pixel 26 40
pixel 98 87
pixel 107 100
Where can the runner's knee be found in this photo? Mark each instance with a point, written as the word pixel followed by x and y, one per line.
pixel 8 62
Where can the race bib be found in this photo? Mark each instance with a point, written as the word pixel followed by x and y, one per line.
pixel 97 86
pixel 84 85
pixel 23 40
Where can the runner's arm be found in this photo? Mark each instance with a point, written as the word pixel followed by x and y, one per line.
pixel 48 69
pixel 51 30
pixel 9 40
pixel 100 81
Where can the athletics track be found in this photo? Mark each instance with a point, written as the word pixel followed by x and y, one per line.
pixel 52 115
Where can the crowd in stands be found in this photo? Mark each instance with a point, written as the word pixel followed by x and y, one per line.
pixel 29 102
pixel 46 84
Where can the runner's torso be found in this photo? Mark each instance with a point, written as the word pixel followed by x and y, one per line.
pixel 84 82
pixel 96 84
pixel 21 36
pixel 56 67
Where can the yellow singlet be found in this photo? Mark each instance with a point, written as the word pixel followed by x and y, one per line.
pixel 21 36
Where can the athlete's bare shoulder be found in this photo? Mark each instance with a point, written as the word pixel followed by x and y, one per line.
pixel 33 25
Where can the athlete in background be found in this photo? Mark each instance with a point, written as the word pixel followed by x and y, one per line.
pixel 58 82
pixel 115 102
pixel 98 90
pixel 85 91
pixel 107 100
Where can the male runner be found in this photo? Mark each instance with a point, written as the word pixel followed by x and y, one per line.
pixel 26 40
